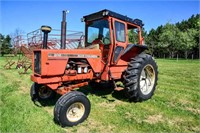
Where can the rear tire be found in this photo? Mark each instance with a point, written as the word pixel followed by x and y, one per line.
pixel 41 92
pixel 140 78
pixel 71 109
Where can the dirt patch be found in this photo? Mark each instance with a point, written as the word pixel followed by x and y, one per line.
pixel 91 125
pixel 23 90
pixel 49 110
pixel 196 111
pixel 184 101
pixel 153 119
pixel 83 129
pixel 175 121
pixel 98 126
pixel 108 106
pixel 195 129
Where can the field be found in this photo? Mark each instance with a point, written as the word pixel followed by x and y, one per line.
pixel 173 108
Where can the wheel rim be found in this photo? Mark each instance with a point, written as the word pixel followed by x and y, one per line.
pixel 147 79
pixel 44 92
pixel 75 112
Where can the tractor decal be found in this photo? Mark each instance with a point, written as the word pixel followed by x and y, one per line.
pixel 72 55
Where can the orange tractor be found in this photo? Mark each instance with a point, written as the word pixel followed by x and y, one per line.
pixel 106 56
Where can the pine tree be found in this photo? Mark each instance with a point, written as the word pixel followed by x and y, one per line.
pixel 5 44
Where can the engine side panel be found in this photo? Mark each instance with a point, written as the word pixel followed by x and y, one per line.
pixel 54 62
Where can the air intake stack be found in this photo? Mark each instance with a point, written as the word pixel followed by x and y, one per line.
pixel 45 30
pixel 63 30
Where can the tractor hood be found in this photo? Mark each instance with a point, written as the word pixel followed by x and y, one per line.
pixel 46 62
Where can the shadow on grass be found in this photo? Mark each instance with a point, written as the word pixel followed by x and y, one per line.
pixel 50 102
pixel 103 90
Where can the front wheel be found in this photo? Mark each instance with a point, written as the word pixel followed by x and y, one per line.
pixel 140 78
pixel 41 92
pixel 71 109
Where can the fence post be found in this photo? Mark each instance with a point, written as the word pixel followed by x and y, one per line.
pixel 177 57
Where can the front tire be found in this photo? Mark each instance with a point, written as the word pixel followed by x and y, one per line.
pixel 140 78
pixel 71 109
pixel 41 92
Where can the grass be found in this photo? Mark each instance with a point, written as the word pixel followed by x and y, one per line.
pixel 173 108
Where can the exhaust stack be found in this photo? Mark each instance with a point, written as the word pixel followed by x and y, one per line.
pixel 63 30
pixel 45 29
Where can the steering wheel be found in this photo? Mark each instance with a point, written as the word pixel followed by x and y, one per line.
pixel 106 38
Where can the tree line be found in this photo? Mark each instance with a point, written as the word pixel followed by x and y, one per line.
pixel 171 40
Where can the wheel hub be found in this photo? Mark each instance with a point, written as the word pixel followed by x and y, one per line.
pixel 147 79
pixel 44 92
pixel 75 112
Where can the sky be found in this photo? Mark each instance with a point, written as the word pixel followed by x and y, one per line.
pixel 30 15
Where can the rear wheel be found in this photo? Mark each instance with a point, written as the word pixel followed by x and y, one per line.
pixel 140 78
pixel 71 109
pixel 41 92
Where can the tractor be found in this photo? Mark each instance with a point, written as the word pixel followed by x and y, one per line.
pixel 105 56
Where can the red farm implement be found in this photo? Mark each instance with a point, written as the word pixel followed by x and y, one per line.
pixel 25 45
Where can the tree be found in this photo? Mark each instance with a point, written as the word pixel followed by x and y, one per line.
pixel 168 39
pixel 1 42
pixel 17 33
pixel 133 36
pixel 5 44
pixel 187 41
pixel 151 39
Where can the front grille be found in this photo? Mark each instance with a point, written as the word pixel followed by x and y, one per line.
pixel 37 62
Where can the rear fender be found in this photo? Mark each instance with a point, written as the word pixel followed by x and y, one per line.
pixel 132 50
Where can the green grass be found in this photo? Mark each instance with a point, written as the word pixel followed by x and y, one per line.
pixel 173 108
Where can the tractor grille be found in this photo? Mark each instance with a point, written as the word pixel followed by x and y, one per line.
pixel 37 62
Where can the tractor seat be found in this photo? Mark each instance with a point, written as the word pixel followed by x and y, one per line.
pixel 93 46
